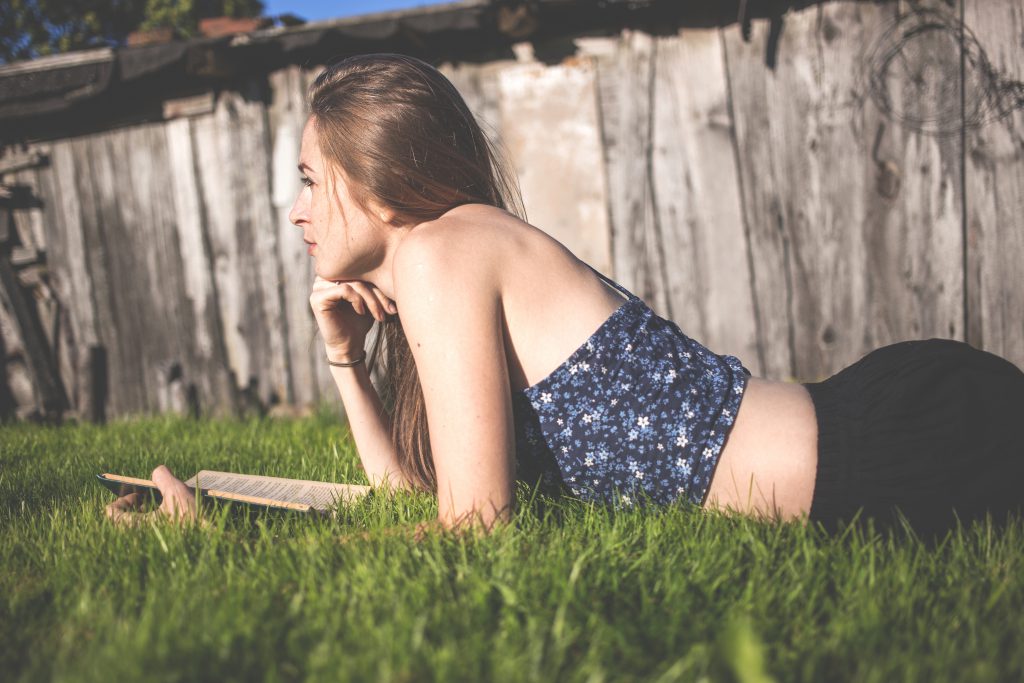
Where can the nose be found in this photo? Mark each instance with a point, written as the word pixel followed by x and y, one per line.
pixel 299 213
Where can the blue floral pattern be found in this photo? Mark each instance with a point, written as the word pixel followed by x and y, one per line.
pixel 638 407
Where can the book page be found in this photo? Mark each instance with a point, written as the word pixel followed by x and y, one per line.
pixel 319 495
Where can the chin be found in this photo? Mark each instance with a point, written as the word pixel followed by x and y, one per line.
pixel 333 274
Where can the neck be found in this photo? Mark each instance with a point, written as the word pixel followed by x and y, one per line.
pixel 382 275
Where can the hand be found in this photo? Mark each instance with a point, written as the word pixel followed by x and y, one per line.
pixel 345 312
pixel 179 502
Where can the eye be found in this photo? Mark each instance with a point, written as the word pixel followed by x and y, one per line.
pixel 306 181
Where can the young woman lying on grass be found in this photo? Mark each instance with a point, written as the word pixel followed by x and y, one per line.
pixel 506 356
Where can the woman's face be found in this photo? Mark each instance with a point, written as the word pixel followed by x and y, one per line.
pixel 347 242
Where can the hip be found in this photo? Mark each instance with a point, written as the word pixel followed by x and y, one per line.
pixel 768 463
pixel 925 426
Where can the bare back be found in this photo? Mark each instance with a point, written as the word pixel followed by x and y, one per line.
pixel 552 303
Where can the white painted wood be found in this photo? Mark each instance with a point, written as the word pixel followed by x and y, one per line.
pixel 839 267
pixel 212 146
pixel 105 206
pixel 287 117
pixel 995 185
pixel 14 372
pixel 698 207
pixel 480 87
pixel 67 246
pixel 197 280
pixel 776 215
pixel 74 304
pixel 625 95
pixel 550 127
pixel 207 369
pixel 252 156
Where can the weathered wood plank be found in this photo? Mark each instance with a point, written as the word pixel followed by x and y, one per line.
pixel 130 264
pixel 17 388
pixel 844 259
pixel 167 329
pixel 218 213
pixel 44 348
pixel 21 318
pixel 208 368
pixel 697 205
pixel 17 385
pixel 995 181
pixel 215 191
pixel 923 292
pixel 287 116
pixel 326 390
pixel 549 121
pixel 794 217
pixel 625 87
pixel 68 271
pixel 99 201
pixel 478 84
pixel 233 177
pixel 255 210
pixel 29 220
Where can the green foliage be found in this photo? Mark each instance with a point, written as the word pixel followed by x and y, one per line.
pixel 568 592
pixel 177 14
pixel 31 28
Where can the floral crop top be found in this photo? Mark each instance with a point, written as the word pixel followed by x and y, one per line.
pixel 639 406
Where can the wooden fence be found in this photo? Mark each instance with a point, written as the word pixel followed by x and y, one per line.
pixel 843 178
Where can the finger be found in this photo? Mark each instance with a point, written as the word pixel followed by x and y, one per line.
pixel 388 304
pixel 164 479
pixel 115 512
pixel 326 299
pixel 178 499
pixel 369 300
pixel 179 506
pixel 132 501
pixel 132 519
pixel 378 302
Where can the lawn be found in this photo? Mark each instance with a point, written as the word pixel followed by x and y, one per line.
pixel 569 592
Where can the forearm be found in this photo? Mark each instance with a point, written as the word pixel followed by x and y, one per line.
pixel 370 425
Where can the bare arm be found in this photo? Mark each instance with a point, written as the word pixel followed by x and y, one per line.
pixel 343 311
pixel 452 317
pixel 370 425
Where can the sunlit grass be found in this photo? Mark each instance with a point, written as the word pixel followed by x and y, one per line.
pixel 568 592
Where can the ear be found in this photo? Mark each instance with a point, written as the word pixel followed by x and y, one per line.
pixel 385 213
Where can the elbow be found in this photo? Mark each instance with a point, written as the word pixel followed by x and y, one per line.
pixel 392 480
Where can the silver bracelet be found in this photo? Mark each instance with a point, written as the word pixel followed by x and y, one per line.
pixel 339 364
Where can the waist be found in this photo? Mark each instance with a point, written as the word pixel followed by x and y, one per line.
pixel 770 458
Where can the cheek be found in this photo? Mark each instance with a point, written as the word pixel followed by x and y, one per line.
pixel 317 213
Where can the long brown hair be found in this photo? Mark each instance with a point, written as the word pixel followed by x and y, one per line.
pixel 406 139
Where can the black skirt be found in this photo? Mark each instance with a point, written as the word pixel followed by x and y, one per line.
pixel 930 430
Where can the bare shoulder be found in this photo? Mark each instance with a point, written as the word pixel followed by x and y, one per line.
pixel 479 263
pixel 462 247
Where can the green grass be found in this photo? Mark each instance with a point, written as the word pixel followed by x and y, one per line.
pixel 569 592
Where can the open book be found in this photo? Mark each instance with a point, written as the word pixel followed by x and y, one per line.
pixel 270 492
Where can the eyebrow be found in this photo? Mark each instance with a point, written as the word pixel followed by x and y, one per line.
pixel 304 168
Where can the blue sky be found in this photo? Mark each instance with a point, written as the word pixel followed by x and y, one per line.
pixel 312 10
